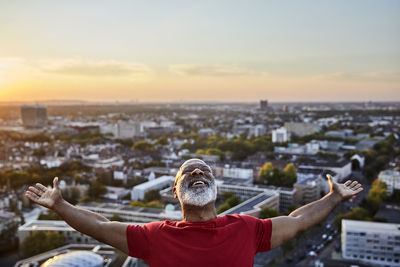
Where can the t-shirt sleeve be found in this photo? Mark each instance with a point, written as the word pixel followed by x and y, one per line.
pixel 263 234
pixel 138 238
pixel 260 230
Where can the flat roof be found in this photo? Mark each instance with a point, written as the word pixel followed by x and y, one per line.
pixel 249 204
pixel 394 228
pixel 156 181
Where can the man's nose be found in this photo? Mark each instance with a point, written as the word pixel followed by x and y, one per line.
pixel 198 172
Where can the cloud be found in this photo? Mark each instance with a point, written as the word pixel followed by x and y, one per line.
pixel 210 70
pixel 83 67
pixel 382 76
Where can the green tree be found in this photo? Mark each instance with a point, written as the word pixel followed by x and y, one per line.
pixel 41 241
pixel 290 174
pixel 231 200
pixel 267 212
pixel 152 195
pixel 96 189
pixel 72 195
pixel 271 175
pixel 116 217
pixel 358 213
pixel 143 146
pixel 49 215
pixel 163 140
pixel 377 191
pixel 266 171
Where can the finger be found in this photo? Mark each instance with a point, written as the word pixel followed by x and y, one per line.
pixel 35 191
pixel 55 182
pixel 41 187
pixel 356 186
pixel 354 183
pixel 347 182
pixel 358 190
pixel 31 196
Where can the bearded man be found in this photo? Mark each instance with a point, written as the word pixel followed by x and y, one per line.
pixel 201 238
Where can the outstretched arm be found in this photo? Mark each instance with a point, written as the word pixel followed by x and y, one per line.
pixel 285 228
pixel 84 221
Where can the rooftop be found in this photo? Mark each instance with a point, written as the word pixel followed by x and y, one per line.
pixel 394 228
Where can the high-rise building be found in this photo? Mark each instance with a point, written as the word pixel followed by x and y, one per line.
pixel 371 242
pixel 264 105
pixel 34 116
pixel 280 135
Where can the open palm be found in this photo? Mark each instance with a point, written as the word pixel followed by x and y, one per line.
pixel 346 190
pixel 44 196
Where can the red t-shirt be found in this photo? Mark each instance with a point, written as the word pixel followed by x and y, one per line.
pixel 230 240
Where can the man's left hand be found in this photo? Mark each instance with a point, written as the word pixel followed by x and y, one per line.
pixel 346 190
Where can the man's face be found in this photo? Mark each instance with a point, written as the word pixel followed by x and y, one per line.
pixel 195 185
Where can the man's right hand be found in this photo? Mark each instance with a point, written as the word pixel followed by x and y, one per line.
pixel 43 196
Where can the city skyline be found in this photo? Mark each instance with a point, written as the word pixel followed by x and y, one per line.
pixel 192 52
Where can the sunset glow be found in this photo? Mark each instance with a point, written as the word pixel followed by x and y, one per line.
pixel 230 51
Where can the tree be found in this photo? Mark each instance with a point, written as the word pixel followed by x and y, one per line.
pixel 41 241
pixel 152 195
pixel 267 212
pixel 72 195
pixel 377 191
pixel 49 215
pixel 163 140
pixel 266 171
pixel 358 213
pixel 271 175
pixel 96 189
pixel 290 173
pixel 116 217
pixel 231 200
pixel 143 146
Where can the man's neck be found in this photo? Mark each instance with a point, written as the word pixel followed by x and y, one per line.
pixel 199 214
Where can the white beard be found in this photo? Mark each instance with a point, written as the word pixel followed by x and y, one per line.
pixel 197 196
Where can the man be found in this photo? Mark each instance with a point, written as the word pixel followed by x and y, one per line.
pixel 202 238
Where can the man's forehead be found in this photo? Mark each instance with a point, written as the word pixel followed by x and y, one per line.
pixel 191 162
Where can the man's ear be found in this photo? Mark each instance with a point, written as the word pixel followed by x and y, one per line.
pixel 174 192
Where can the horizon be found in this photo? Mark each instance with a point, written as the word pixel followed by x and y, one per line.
pixel 200 52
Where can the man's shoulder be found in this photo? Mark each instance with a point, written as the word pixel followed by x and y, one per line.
pixel 248 219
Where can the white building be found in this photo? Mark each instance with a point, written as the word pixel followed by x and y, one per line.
pixel 391 178
pixel 301 128
pixel 140 190
pixel 371 242
pixel 128 129
pixel 70 234
pixel 280 135
pixel 116 192
pixel 237 173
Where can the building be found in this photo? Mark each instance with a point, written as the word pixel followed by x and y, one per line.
pixel 140 190
pixel 34 116
pixel 301 128
pixel 71 236
pixel 391 178
pixel 116 193
pixel 136 215
pixel 75 255
pixel 254 205
pixel 308 190
pixel 341 166
pixel 374 243
pixel 280 135
pixel 264 105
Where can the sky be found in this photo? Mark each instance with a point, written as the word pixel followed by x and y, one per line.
pixel 168 51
